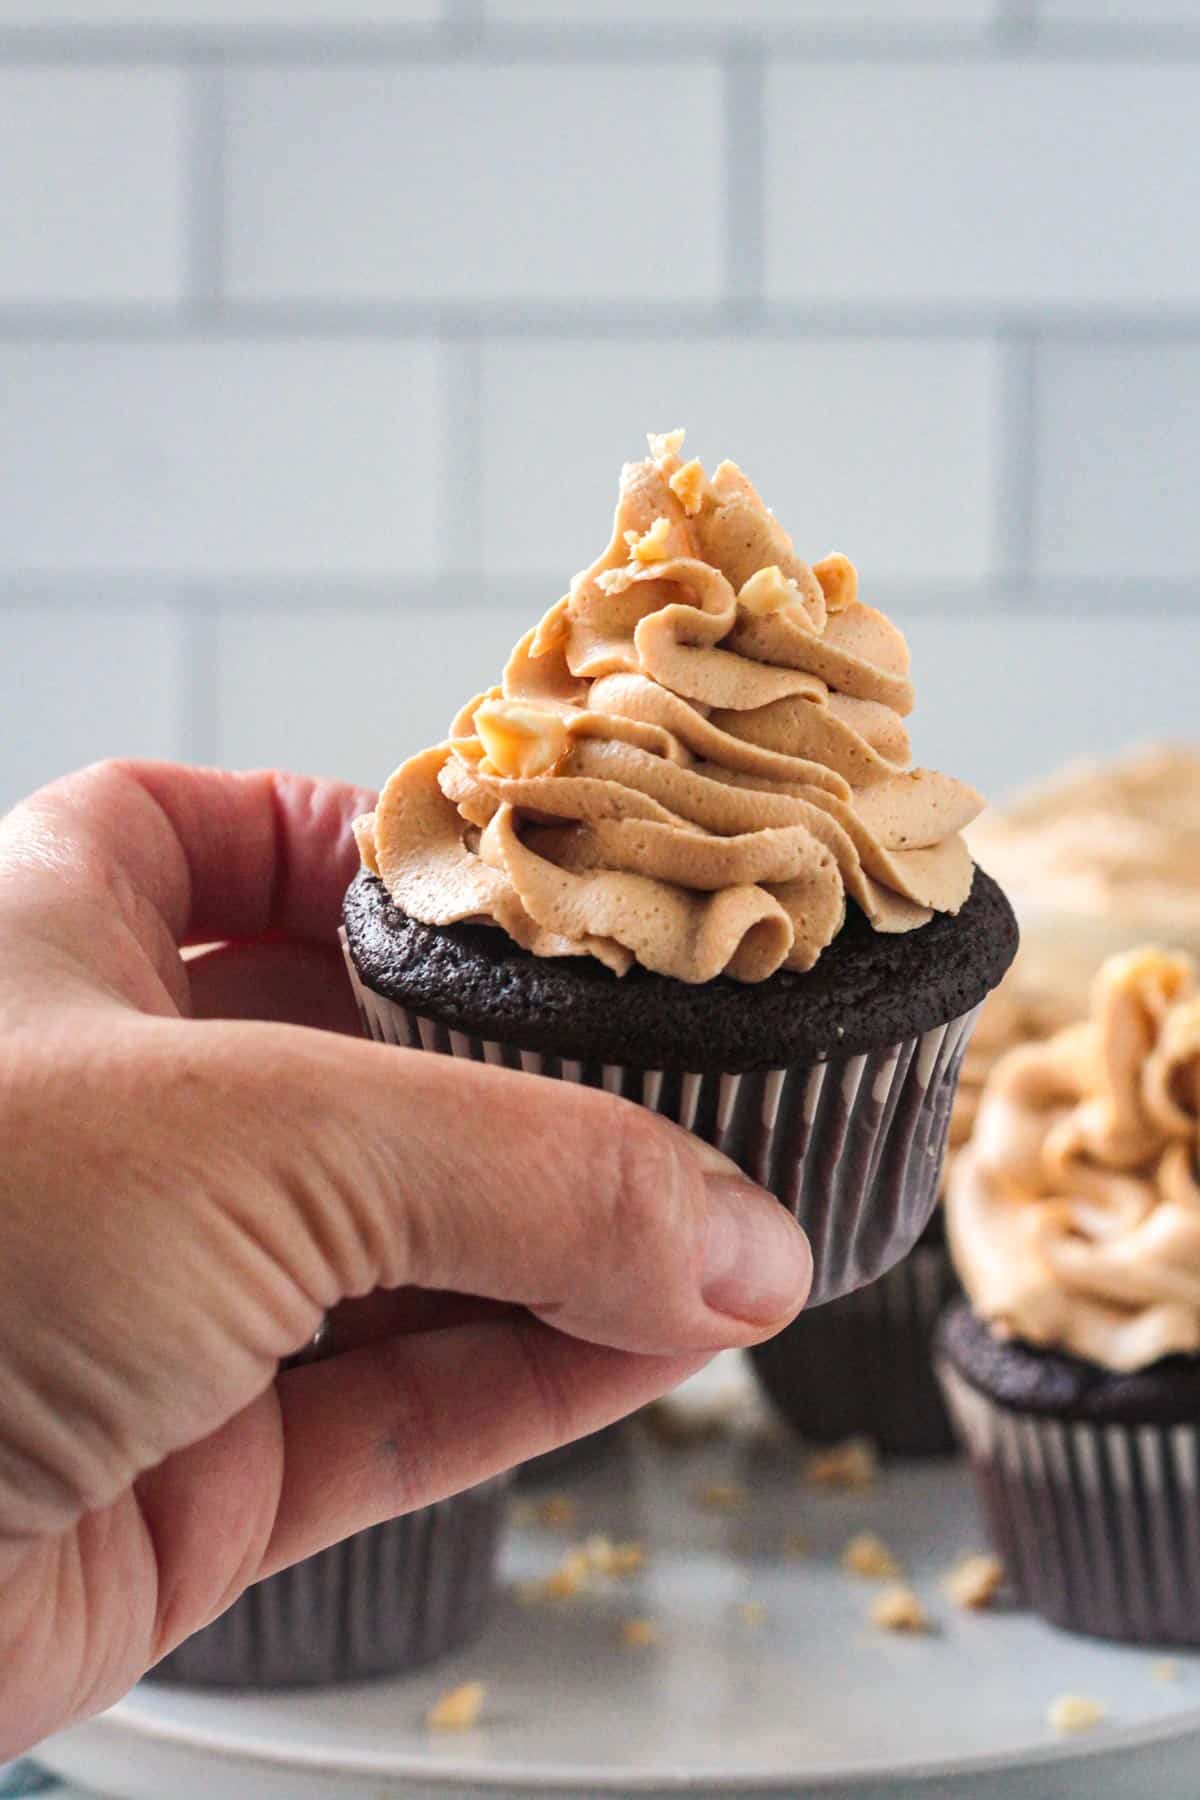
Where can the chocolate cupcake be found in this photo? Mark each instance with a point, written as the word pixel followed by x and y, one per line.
pixel 680 854
pixel 863 1365
pixel 383 1602
pixel 1073 1368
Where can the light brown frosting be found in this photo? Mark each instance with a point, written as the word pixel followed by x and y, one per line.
pixel 690 763
pixel 1118 840
pixel 1074 1212
pixel 1012 1014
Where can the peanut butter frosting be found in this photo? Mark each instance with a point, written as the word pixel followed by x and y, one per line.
pixel 1074 1212
pixel 691 762
pixel 1117 840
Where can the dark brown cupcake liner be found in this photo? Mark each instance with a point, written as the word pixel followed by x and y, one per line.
pixel 1098 1525
pixel 853 1145
pixel 383 1602
pixel 863 1365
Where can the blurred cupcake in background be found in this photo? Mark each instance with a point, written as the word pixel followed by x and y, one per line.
pixel 385 1601
pixel 862 1366
pixel 1099 858
pixel 1073 1367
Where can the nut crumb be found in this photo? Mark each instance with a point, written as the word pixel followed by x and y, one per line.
pixel 839 581
pixel 1074 1712
pixel 868 1555
pixel 597 1555
pixel 768 591
pixel 975 1581
pixel 1165 1670
pixel 753 1613
pixel 606 1558
pixel 898 1608
pixel 558 1512
pixel 852 1465
pixel 459 1709
pixel 651 546
pixel 722 1497
pixel 795 1544
pixel 689 486
pixel 640 1634
pixel 665 447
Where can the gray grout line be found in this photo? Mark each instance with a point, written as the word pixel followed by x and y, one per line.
pixel 1015 28
pixel 574 322
pixel 199 713
pixel 1016 497
pixel 744 164
pixel 460 473
pixel 462 35
pixel 205 207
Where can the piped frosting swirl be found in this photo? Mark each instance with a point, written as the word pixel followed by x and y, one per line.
pixel 1074 1212
pixel 691 762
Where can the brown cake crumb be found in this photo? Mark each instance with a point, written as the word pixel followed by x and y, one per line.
pixel 459 1709
pixel 722 1497
pixel 640 1634
pixel 1074 1712
pixel 974 1582
pixel 868 1555
pixel 853 1464
pixel 795 1544
pixel 1165 1670
pixel 753 1613
pixel 898 1608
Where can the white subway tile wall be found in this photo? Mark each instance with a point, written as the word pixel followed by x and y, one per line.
pixel 219 458
pixel 1021 184
pixel 92 185
pixel 851 442
pixel 325 324
pixel 474 183
pixel 92 676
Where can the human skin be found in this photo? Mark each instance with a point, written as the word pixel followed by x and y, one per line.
pixel 201 1160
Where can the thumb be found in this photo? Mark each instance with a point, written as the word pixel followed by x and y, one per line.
pixel 597 1215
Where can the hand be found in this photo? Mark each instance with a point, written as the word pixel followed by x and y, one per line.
pixel 193 1176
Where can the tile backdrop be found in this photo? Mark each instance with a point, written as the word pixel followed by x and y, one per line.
pixel 325 324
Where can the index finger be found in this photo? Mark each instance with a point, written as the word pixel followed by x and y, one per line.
pixel 210 853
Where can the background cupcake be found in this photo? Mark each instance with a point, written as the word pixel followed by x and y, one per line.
pixel 1101 857
pixel 721 890
pixel 1074 1371
pixel 863 1365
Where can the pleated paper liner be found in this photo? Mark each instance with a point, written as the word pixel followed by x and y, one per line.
pixel 1098 1525
pixel 853 1145
pixel 384 1601
pixel 863 1365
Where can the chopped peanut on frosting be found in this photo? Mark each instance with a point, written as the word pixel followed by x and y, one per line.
pixel 1074 1212
pixel 693 762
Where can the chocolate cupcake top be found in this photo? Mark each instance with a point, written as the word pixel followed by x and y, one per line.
pixel 691 763
pixel 1074 1212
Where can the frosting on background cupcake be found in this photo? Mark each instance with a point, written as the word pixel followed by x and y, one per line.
pixel 1074 1213
pixel 692 763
